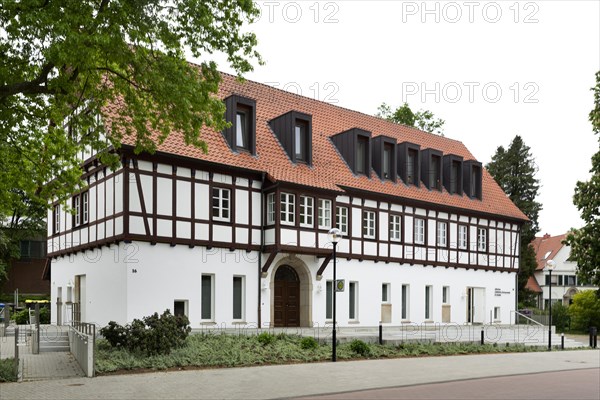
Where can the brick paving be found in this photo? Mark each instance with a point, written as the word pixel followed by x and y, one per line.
pixel 297 380
pixel 51 365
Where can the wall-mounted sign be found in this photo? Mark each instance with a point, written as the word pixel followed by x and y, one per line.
pixel 340 285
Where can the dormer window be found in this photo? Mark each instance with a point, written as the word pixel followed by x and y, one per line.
pixel 384 157
pixel 241 114
pixel 431 169
pixel 472 177
pixel 361 155
pixel 409 163
pixel 453 174
pixel 243 128
pixel 300 140
pixel 294 132
pixel 354 145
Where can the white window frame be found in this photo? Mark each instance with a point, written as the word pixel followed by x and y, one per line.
pixel 77 207
pixel 445 294
pixel 212 297
pixel 442 234
pixel 497 313
pixel 481 239
pixel 288 208
pixel 341 219
pixel 242 297
pixel 353 302
pixel 395 227
pixel 386 292
pixel 369 224
pixel 270 208
pixel 222 208
pixel 419 231
pixel 307 211
pixel 463 237
pixel 56 212
pixel 405 299
pixel 85 209
pixel 428 302
pixel 324 214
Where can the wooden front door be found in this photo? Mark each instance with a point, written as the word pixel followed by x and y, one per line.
pixel 286 305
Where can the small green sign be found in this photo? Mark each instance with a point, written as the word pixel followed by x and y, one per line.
pixel 340 285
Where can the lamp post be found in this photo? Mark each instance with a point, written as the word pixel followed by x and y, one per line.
pixel 334 236
pixel 550 264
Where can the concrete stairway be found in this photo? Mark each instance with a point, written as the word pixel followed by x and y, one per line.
pixel 53 338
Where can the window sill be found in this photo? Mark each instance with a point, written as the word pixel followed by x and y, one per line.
pixel 353 322
pixel 239 323
pixel 405 321
pixel 207 323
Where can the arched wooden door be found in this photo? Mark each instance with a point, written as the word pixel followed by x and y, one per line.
pixel 286 305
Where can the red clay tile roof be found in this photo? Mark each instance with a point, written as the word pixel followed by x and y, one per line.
pixel 533 285
pixel 329 171
pixel 543 245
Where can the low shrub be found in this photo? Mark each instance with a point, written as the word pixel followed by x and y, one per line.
pixel 21 317
pixel 265 338
pixel 7 370
pixel 585 310
pixel 360 347
pixel 153 335
pixel 44 315
pixel 308 343
pixel 560 316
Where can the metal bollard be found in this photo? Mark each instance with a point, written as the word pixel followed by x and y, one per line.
pixel 380 334
pixel 593 337
pixel 482 337
pixel 562 341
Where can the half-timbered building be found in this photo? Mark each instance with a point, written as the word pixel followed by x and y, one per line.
pixel 239 235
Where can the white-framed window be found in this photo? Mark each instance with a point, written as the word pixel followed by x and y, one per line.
pixel 353 300
pixel 462 237
pixel 428 302
pixel 221 204
pixel 207 297
pixel 419 233
pixel 180 308
pixel 238 297
pixel 405 302
pixel 288 207
pixel 385 292
pixel 395 227
pixel 271 208
pixel 306 211
pixel 442 234
pixel 56 215
pixel 324 214
pixel 369 224
pixel 77 208
pixel 84 208
pixel 496 313
pixel 446 295
pixel 341 219
pixel 481 239
pixel 329 299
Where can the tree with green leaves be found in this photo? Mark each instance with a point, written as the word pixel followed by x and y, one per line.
pixel 422 119
pixel 514 169
pixel 585 242
pixel 63 62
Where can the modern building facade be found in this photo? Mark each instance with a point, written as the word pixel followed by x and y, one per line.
pixel 239 235
pixel 564 276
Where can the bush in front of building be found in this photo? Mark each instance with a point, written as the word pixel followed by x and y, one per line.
pixel 309 343
pixel 360 347
pixel 585 311
pixel 265 338
pixel 152 335
pixel 560 316
pixel 21 317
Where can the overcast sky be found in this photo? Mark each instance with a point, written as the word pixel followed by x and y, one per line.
pixel 491 70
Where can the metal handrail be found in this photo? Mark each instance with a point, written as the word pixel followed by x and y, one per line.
pixel 529 319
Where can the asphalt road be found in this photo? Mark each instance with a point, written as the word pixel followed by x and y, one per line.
pixel 578 384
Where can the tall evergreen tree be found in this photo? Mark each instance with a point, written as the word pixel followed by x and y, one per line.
pixel 514 169
pixel 585 242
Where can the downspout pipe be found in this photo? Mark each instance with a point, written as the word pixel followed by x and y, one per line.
pixel 262 244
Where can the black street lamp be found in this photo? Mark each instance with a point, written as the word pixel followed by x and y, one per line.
pixel 550 264
pixel 334 236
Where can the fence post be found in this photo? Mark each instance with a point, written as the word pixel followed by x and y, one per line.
pixel 16 350
pixel 562 341
pixel 482 336
pixel 380 333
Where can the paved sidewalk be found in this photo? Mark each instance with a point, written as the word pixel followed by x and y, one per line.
pixel 301 379
pixel 51 365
